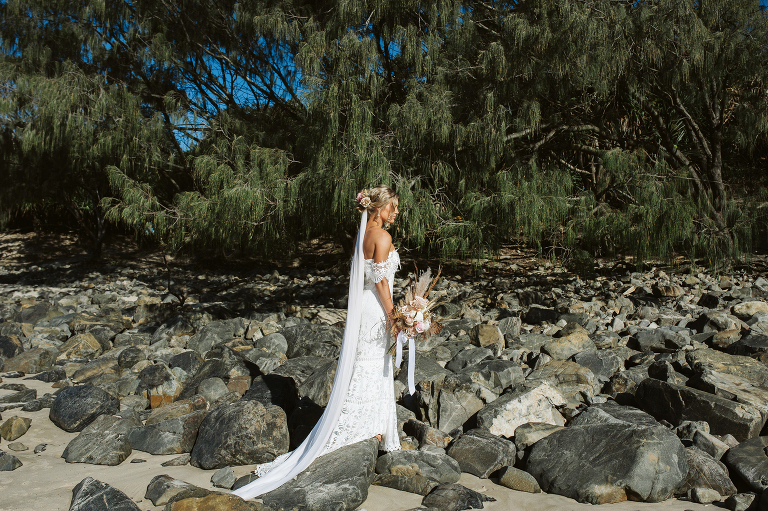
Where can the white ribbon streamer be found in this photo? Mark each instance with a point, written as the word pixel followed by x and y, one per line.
pixel 401 338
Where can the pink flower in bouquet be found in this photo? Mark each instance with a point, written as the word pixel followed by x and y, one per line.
pixel 421 327
pixel 359 196
pixel 409 320
pixel 419 303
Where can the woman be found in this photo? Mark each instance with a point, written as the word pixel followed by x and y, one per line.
pixel 362 401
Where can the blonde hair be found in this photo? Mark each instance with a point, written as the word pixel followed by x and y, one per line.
pixel 379 196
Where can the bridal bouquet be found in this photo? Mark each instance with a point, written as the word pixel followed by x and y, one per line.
pixel 414 315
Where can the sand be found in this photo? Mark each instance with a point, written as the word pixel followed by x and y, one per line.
pixel 45 480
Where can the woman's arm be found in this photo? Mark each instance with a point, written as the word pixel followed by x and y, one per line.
pixel 381 250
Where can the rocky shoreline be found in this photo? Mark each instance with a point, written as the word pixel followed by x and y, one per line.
pixel 629 386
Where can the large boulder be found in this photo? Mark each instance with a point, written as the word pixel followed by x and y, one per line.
pixel 430 464
pixel 526 403
pixel 242 433
pixel 317 387
pixel 8 462
pixel 216 332
pixel 31 361
pixel 571 379
pixel 80 346
pixel 749 460
pixel 14 428
pixel 93 495
pixel 482 453
pixel 705 472
pixel 675 403
pixel 76 407
pixel 313 340
pixel 608 463
pixel 737 365
pixel 174 435
pixel 164 489
pixel 335 481
pixel 103 442
pixel 454 497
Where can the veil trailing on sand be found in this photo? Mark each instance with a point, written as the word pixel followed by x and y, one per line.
pixel 296 461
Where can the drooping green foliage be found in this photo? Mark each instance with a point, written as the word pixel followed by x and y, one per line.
pixel 616 127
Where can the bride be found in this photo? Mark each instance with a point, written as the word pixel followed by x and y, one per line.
pixel 362 400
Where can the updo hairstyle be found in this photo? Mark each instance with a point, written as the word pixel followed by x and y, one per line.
pixel 379 197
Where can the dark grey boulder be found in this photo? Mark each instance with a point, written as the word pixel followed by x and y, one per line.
pixel 130 356
pixel 9 347
pixel 173 327
pixel 607 463
pixel 663 340
pixel 519 480
pixel 8 462
pixel 434 465
pixel 317 387
pixel 602 363
pixel 454 497
pixel 749 460
pixel 172 436
pixel 705 472
pixel 241 433
pixel 274 389
pixel 417 484
pixel 749 345
pixel 495 375
pixel 76 407
pixel 31 361
pixel 457 402
pixel 92 495
pixel 675 403
pixel 613 413
pixel 468 357
pixel 299 368
pixel 481 453
pixel 215 333
pixel 313 340
pixel 337 481
pixel 212 389
pixel 220 362
pixel 623 385
pixel 103 442
pixel 745 367
pixel 22 396
pixel 190 361
pixel 223 478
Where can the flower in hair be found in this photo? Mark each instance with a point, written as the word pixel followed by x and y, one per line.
pixel 363 199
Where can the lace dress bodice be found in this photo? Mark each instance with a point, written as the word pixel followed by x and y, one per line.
pixel 376 272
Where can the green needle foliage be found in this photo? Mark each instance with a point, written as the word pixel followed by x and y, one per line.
pixel 621 128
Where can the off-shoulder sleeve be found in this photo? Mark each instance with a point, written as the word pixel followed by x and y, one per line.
pixel 378 271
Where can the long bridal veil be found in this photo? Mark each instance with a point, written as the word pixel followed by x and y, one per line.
pixel 313 445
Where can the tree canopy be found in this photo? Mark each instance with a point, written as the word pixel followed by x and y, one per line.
pixel 611 127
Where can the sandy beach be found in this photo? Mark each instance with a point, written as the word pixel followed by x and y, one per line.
pixel 45 480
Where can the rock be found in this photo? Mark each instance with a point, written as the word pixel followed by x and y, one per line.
pixel 660 340
pixel 22 396
pixel 602 363
pixel 675 404
pixel 468 357
pixel 214 501
pixel 417 484
pixel 519 480
pixel 536 315
pixel 719 362
pixel 703 495
pixel 212 389
pixel 338 480
pixel 510 326
pixel 31 361
pixel 487 336
pixel 299 369
pixel 425 434
pixel 102 442
pixel 749 460
pixel 317 387
pixel 570 379
pixel 495 375
pixel 524 404
pixel 569 345
pixel 708 301
pixel 746 310
pixel 93 495
pixel 174 327
pixel 530 433
pixel 608 463
pixel 436 466
pixel 623 385
pixel 76 407
pixel 710 444
pixel 612 413
pixel 17 446
pixel 454 497
pixel 457 402
pixel 215 333
pixel 715 321
pixel 10 347
pixel 223 478
pixel 740 501
pixel 80 346
pixel 242 433
pixel 749 345
pixel 8 462
pixel 481 453
pixel 189 361
pixel 14 427
pixel 130 356
pixel 178 461
pixel 313 340
pixel 686 430
pixel 175 435
pixel 705 472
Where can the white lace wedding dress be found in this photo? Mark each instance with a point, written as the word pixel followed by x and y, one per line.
pixel 362 400
pixel 369 407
